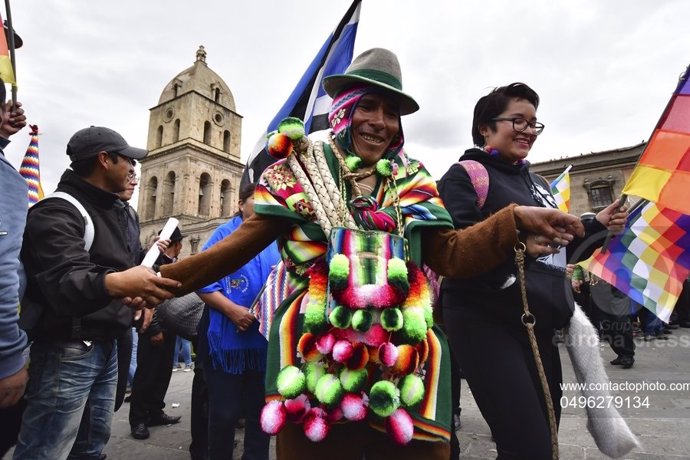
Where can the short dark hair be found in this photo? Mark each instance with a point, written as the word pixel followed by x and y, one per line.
pixel 86 166
pixel 493 104
pixel 247 191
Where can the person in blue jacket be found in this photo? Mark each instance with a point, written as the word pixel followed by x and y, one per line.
pixel 233 349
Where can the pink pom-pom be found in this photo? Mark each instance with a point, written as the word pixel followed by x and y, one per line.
pixel 325 343
pixel 279 145
pixel 342 351
pixel 335 414
pixel 399 426
pixel 273 417
pixel 316 426
pixel 354 406
pixel 296 409
pixel 388 354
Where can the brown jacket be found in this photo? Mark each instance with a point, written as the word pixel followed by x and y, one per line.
pixel 451 253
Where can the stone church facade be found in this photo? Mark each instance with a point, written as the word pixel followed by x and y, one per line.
pixel 193 169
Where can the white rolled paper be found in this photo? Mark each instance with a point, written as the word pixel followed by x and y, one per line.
pixel 166 233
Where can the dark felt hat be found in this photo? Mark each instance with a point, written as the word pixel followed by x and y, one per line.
pixel 87 142
pixel 378 67
pixel 176 235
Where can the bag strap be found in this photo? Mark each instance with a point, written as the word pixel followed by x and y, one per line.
pixel 89 230
pixel 529 321
pixel 479 177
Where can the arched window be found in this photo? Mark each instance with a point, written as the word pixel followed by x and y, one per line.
pixel 207 133
pixel 216 94
pixel 151 193
pixel 226 204
pixel 204 195
pixel 226 141
pixel 159 136
pixel 600 192
pixel 168 194
pixel 176 130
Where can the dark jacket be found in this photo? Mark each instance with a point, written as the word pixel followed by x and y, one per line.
pixel 66 295
pixel 507 184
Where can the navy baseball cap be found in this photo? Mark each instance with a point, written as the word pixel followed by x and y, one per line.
pixel 87 142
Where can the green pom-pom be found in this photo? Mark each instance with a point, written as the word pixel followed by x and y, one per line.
pixel 397 274
pixel 361 320
pixel 411 390
pixel 384 167
pixel 338 271
pixel 292 127
pixel 353 162
pixel 353 380
pixel 315 318
pixel 291 382
pixel 313 372
pixel 414 325
pixel 391 319
pixel 329 391
pixel 428 316
pixel 340 317
pixel 384 398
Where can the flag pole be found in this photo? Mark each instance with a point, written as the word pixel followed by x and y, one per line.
pixel 10 45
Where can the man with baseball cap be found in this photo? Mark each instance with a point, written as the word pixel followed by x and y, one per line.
pixel 78 299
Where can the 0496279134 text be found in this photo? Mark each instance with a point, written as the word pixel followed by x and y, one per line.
pixel 603 402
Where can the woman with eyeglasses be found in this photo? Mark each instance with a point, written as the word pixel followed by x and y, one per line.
pixel 483 314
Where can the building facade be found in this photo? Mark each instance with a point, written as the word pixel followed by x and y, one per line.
pixel 596 179
pixel 193 168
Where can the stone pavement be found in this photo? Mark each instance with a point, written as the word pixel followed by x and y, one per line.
pixel 663 428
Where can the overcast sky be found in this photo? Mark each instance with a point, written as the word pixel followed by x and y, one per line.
pixel 604 69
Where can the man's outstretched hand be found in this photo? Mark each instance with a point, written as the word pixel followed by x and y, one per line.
pixel 555 225
pixel 140 287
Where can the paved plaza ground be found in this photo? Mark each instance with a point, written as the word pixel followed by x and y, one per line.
pixel 663 428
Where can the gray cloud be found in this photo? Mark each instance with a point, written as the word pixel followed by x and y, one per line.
pixel 604 70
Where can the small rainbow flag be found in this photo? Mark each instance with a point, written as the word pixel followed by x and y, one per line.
pixel 31 168
pixel 650 260
pixel 6 71
pixel 560 189
pixel 663 173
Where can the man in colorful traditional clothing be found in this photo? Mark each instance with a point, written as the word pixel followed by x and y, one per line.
pixel 354 362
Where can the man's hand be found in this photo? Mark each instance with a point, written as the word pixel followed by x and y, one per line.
pixel 163 245
pixel 12 388
pixel 539 246
pixel 558 227
pixel 238 314
pixel 242 317
pixel 139 287
pixel 148 317
pixel 614 217
pixel 157 340
pixel 12 119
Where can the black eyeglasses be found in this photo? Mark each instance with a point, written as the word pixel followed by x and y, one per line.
pixel 129 160
pixel 520 124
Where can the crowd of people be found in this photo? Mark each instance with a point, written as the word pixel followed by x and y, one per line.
pixel 356 232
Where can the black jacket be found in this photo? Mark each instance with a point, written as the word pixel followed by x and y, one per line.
pixel 508 184
pixel 66 295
